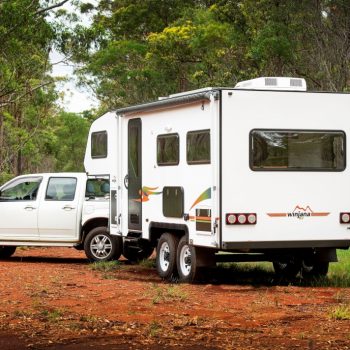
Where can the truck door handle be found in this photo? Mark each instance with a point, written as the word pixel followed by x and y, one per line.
pixel 68 207
pixel 29 208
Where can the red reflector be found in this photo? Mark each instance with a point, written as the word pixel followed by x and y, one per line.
pixel 231 219
pixel 344 218
pixel 241 218
pixel 252 218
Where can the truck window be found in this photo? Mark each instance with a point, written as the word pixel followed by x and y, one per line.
pixel 297 150
pixel 21 189
pixel 168 149
pixel 198 147
pixel 99 144
pixel 61 189
pixel 97 188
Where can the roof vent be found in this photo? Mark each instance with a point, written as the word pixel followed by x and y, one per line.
pixel 270 82
pixel 273 83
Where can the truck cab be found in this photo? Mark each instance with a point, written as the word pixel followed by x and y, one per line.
pixel 56 209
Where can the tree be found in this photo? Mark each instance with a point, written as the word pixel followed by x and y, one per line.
pixel 26 89
pixel 70 136
pixel 135 51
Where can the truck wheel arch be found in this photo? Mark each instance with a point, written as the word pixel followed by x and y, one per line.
pixel 91 224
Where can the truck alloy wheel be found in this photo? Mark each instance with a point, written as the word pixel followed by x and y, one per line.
pixel 99 245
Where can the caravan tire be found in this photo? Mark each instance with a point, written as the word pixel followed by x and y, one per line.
pixel 287 270
pixel 187 266
pixel 99 245
pixel 166 256
pixel 7 251
pixel 317 269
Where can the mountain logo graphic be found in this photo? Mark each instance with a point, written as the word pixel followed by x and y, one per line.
pixel 299 212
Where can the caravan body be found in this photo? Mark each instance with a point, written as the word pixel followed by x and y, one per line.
pixel 233 169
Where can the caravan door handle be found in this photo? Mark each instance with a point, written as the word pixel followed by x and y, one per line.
pixel 68 207
pixel 126 181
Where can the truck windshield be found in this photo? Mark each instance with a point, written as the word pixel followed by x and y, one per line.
pixel 297 150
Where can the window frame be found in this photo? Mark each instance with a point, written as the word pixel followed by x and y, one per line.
pixel 178 149
pixel 102 132
pixel 198 162
pixel 305 169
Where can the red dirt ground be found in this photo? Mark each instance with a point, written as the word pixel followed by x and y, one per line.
pixel 51 298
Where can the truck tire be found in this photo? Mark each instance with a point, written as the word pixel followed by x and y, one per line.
pixel 6 251
pixel 314 270
pixel 187 265
pixel 99 245
pixel 137 252
pixel 166 256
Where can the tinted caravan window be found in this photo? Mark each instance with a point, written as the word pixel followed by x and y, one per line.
pixel 198 147
pixel 168 149
pixel 297 150
pixel 99 144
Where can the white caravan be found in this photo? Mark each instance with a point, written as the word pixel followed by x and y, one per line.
pixel 259 170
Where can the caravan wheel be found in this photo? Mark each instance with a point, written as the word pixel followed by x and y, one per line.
pixel 286 269
pixel 166 256
pixel 315 269
pixel 187 261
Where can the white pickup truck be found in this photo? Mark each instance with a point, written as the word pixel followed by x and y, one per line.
pixel 57 209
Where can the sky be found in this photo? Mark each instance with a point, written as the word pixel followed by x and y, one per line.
pixel 75 99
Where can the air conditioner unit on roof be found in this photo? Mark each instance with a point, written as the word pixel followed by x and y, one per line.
pixel 273 83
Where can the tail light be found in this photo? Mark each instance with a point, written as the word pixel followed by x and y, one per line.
pixel 344 218
pixel 241 218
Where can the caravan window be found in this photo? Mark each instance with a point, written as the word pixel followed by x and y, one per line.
pixel 198 147
pixel 297 150
pixel 168 149
pixel 99 144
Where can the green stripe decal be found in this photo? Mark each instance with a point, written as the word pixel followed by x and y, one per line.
pixel 205 195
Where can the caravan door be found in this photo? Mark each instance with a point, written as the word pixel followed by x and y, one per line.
pixel 134 175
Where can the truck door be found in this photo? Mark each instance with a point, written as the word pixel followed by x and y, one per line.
pixel 58 212
pixel 19 209
pixel 134 175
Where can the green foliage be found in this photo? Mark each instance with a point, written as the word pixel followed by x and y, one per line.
pixel 27 94
pixel 69 141
pixel 135 51
pixel 263 273
pixel 341 312
pixel 107 268
pixel 166 294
